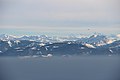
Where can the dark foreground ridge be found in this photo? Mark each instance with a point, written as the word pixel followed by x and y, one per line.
pixel 65 48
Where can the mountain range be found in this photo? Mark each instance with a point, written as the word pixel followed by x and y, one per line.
pixel 45 46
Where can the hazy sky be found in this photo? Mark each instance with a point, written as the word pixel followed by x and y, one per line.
pixel 59 16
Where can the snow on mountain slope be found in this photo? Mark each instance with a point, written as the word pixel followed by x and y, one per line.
pixel 7 37
pixel 114 36
pixel 118 35
pixel 10 44
pixel 97 40
pixel 89 45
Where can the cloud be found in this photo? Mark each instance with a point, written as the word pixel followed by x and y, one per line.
pixel 60 12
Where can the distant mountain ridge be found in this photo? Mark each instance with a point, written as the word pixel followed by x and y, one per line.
pixel 89 39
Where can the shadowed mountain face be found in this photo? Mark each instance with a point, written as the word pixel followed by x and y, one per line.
pixel 65 48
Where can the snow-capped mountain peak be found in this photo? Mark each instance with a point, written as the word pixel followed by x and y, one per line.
pixel 7 37
pixel 118 35
pixel 96 40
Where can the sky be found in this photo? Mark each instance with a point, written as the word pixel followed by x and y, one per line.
pixel 59 17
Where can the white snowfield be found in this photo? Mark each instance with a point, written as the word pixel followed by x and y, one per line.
pixel 48 55
pixel 118 35
pixel 42 44
pixel 0 51
pixel 17 41
pixel 10 44
pixel 89 46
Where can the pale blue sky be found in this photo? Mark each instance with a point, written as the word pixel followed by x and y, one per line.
pixel 59 16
